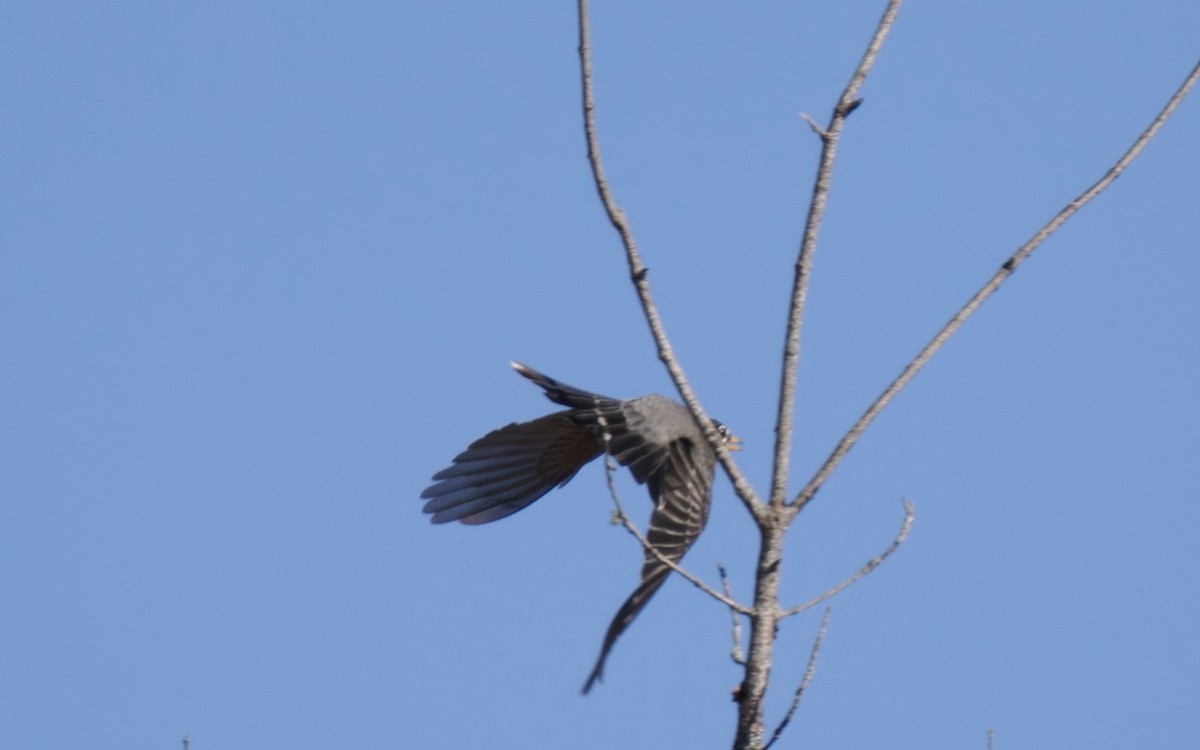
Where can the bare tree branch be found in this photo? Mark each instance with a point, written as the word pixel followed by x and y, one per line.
pixel 774 517
pixel 773 520
pixel 609 472
pixel 1006 270
pixel 803 269
pixel 872 564
pixel 808 676
pixel 638 273
pixel 735 652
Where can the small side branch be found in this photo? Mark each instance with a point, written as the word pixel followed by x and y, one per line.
pixel 638 273
pixel 609 472
pixel 808 676
pixel 1005 271
pixel 815 127
pixel 872 564
pixel 735 652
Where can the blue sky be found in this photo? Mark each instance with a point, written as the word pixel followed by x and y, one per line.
pixel 264 266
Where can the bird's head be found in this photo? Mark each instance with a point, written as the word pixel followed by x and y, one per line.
pixel 732 442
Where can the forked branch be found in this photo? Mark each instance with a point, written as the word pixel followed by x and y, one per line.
pixel 775 520
pixel 1006 270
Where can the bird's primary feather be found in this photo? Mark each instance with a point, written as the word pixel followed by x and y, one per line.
pixel 509 468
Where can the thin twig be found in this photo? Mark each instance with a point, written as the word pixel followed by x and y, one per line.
pixel 638 273
pixel 803 270
pixel 1006 270
pixel 735 652
pixel 813 124
pixel 808 676
pixel 609 472
pixel 872 564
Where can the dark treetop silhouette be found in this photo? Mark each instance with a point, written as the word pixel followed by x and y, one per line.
pixel 509 468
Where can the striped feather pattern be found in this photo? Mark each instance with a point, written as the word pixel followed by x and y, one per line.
pixel 509 468
pixel 682 494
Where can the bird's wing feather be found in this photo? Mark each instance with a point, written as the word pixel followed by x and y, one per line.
pixel 682 494
pixel 509 468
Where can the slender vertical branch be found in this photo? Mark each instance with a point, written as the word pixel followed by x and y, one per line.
pixel 809 672
pixel 735 652
pixel 803 268
pixel 774 520
pixel 1006 270
pixel 638 273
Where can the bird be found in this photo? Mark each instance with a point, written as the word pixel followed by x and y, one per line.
pixel 655 437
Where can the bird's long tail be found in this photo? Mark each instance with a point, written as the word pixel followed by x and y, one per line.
pixel 651 582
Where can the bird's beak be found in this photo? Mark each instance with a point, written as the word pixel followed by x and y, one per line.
pixel 734 443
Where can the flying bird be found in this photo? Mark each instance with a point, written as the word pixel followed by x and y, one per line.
pixel 654 436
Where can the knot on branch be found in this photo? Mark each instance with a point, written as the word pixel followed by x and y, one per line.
pixel 844 110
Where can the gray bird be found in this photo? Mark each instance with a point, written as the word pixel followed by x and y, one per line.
pixel 509 468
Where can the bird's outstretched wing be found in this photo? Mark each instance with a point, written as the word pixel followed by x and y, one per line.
pixel 509 468
pixel 682 494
